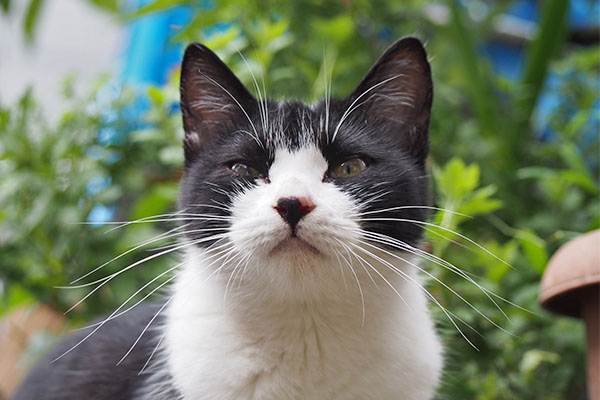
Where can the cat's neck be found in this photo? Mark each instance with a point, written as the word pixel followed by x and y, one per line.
pixel 355 343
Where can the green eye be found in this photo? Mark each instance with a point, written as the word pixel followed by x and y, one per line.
pixel 245 171
pixel 349 168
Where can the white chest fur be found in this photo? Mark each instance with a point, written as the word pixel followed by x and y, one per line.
pixel 254 348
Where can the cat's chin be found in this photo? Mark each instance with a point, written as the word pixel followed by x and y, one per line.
pixel 294 246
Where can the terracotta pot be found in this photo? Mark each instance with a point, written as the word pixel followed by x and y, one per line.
pixel 571 286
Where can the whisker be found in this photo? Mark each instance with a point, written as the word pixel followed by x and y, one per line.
pixel 350 108
pixel 414 207
pixel 126 223
pixel 261 105
pixel 111 317
pixel 162 236
pixel 337 256
pixel 362 297
pixel 153 352
pixel 403 274
pixel 385 239
pixel 105 280
pixel 444 229
pixel 440 282
pixel 380 275
pixel 156 316
pixel 255 137
pixel 97 328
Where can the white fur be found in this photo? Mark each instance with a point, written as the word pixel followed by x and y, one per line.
pixel 295 323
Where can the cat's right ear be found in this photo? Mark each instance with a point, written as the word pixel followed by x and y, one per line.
pixel 212 98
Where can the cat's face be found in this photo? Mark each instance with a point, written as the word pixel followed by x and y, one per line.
pixel 286 191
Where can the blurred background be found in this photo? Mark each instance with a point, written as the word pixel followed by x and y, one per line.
pixel 90 132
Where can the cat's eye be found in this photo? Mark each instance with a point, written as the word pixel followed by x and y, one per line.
pixel 246 171
pixel 349 168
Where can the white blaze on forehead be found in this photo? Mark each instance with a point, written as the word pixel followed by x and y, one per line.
pixel 297 171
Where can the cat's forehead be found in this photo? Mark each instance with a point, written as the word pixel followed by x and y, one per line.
pixel 292 125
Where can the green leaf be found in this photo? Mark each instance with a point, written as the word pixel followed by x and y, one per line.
pixel 336 30
pixel 31 18
pixel 155 6
pixel 580 179
pixel 16 296
pixel 534 249
pixel 107 5
pixel 541 173
pixel 572 157
pixel 532 359
pixel 5 4
pixel 157 201
pixel 479 202
pixel 496 270
pixel 172 155
pixel 156 95
pixel 455 180
pixel 479 87
pixel 550 37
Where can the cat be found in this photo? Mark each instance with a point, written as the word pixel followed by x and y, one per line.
pixel 299 277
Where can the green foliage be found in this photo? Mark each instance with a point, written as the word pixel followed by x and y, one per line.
pixel 497 183
pixel 47 191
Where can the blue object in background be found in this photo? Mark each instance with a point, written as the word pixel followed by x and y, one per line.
pixel 101 214
pixel 508 58
pixel 149 58
pixel 151 54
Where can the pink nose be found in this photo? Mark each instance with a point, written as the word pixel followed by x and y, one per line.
pixel 293 209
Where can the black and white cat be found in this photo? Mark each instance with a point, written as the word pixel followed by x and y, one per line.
pixel 299 278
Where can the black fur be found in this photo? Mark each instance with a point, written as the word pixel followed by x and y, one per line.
pixel 89 372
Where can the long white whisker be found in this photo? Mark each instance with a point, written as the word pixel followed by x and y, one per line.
pixel 153 352
pixel 362 296
pixel 261 106
pixel 384 239
pixel 111 317
pixel 156 316
pixel 123 224
pixel 429 295
pixel 337 254
pixel 444 229
pixel 169 247
pixel 163 236
pixel 440 282
pixel 361 262
pixel 413 207
pixel 379 274
pixel 105 280
pixel 99 326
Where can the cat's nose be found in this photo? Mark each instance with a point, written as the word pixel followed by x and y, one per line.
pixel 293 209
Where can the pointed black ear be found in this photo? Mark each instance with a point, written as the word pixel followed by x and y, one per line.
pixel 212 98
pixel 398 90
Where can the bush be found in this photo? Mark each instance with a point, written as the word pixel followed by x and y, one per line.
pixel 525 194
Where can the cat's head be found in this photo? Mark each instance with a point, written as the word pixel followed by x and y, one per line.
pixel 291 193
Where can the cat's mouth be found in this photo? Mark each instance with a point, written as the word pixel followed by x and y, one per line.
pixel 293 244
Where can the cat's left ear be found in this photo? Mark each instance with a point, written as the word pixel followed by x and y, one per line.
pixel 212 99
pixel 398 90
